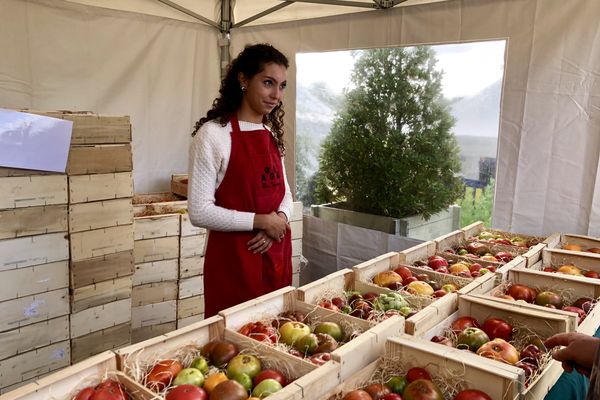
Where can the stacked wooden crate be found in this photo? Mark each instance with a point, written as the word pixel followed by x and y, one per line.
pixel 296 226
pixel 34 276
pixel 155 280
pixel 101 233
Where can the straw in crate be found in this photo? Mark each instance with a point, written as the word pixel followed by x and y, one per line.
pixel 209 340
pixel 525 327
pixel 451 372
pixel 310 329
pixel 477 231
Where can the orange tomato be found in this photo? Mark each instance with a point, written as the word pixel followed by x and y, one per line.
pixel 162 373
pixel 213 380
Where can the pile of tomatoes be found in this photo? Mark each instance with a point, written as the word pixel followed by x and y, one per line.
pixel 106 390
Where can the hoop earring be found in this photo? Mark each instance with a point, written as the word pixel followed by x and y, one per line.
pixel 243 88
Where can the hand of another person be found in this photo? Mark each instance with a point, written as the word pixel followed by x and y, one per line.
pixel 579 352
pixel 260 243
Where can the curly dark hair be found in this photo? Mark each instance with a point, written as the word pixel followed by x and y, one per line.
pixel 249 62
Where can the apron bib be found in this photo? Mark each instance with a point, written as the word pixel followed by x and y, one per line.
pixel 253 182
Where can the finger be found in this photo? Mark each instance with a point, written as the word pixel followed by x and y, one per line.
pixel 268 246
pixel 567 366
pixel 561 339
pixel 258 245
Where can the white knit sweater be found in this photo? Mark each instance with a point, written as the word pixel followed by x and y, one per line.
pixel 209 158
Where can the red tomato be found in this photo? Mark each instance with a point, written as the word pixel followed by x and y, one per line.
pixel 85 394
pixel 187 392
pixel 110 393
pixel 161 375
pixel 246 329
pixel 472 394
pixel 417 373
pixel 270 374
pixel 461 323
pixel 522 292
pixel 496 327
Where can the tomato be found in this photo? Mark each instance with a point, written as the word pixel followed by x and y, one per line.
pixel 187 392
pixel 496 327
pixel 522 292
pixel 548 298
pixel 319 358
pixel 461 323
pixel 85 394
pixel 377 390
pixel 472 394
pixel 417 373
pixel 270 374
pixel 357 395
pixel 499 349
pixel 246 329
pixel 472 338
pixel 162 373
pixel 110 393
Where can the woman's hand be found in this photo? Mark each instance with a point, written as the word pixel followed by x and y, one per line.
pixel 273 224
pixel 260 243
pixel 579 351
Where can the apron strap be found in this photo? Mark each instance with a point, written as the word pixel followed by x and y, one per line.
pixel 235 125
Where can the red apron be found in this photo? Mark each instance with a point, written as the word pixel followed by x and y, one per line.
pixel 253 182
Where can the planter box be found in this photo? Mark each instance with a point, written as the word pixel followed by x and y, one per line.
pixel 460 368
pixel 359 351
pixel 414 227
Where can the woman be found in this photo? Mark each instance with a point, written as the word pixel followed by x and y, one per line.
pixel 238 189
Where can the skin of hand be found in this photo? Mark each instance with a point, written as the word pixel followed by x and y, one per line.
pixel 272 227
pixel 579 352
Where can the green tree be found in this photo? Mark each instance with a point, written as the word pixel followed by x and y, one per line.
pixel 477 208
pixel 391 150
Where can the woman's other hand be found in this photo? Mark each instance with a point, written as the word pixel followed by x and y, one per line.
pixel 260 243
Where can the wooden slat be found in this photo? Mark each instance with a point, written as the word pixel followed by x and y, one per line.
pixel 100 317
pixel 103 268
pixel 155 271
pixel 100 293
pixel 100 214
pixel 154 314
pixel 35 363
pixel 100 242
pixel 30 221
pixel 96 342
pixel 179 184
pixel 296 227
pixel 296 247
pixel 191 246
pixel 194 319
pixel 32 280
pixel 191 266
pixel 85 188
pixel 38 190
pixel 152 331
pixel 191 306
pixel 151 293
pixel 187 229
pixel 156 226
pixel 191 287
pixel 156 249
pixel 296 211
pixel 33 250
pixel 33 336
pixel 100 159
pixel 32 309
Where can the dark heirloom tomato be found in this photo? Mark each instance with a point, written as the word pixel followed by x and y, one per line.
pixel 417 373
pixel 473 338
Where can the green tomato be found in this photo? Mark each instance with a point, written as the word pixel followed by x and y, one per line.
pixel 397 384
pixel 473 338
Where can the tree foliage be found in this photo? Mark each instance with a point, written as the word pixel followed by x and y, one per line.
pixel 474 207
pixel 391 150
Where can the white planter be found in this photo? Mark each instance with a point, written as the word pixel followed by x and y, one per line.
pixel 415 227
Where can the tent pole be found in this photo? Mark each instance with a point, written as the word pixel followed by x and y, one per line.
pixel 189 12
pixel 225 37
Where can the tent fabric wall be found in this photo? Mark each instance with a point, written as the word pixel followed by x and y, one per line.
pixel 161 72
pixel 549 139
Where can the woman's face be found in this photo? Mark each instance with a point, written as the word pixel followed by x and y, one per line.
pixel 264 91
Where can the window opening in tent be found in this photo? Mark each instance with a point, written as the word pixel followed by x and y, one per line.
pixel 471 85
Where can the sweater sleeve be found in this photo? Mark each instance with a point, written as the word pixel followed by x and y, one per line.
pixel 286 203
pixel 208 152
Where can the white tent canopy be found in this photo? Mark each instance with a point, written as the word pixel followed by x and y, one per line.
pixel 161 66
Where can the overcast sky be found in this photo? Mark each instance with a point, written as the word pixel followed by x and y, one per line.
pixel 468 67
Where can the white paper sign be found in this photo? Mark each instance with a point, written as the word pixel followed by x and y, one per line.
pixel 33 141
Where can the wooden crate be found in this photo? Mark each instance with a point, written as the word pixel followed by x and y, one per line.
pixel 179 184
pixel 557 257
pixel 33 190
pixel 296 247
pixel 190 306
pixel 190 246
pixel 559 240
pixel 102 268
pixel 145 204
pixel 191 287
pixel 183 322
pixel 477 227
pixel 33 336
pixel 350 355
pixel 191 266
pixel 452 365
pixel 156 271
pixel 32 309
pixel 296 228
pixel 143 355
pixel 86 188
pixel 99 159
pixel 156 249
pixel 571 289
pixel 33 250
pixel 30 221
pixel 65 384
pixel 156 292
pixel 156 226
pixel 100 317
pixel 153 314
pixel 90 128
pixel 296 211
pixel 187 229
pixel 100 214
pixel 34 363
pixel 148 332
pixel 100 242
pixel 26 281
pixel 96 294
pixel 94 343
pixel 541 323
